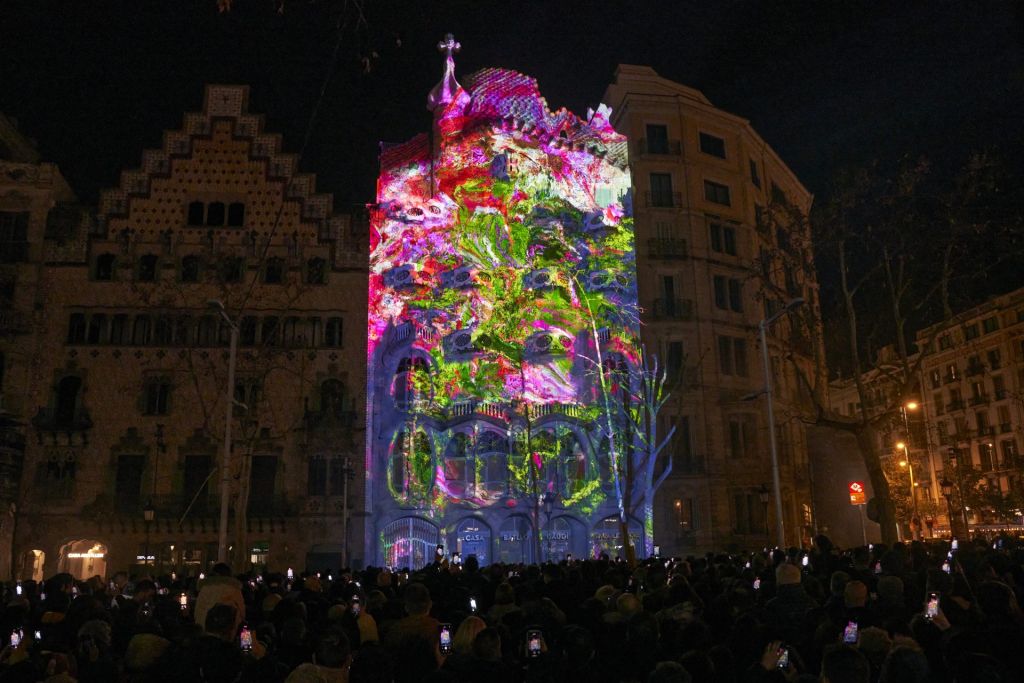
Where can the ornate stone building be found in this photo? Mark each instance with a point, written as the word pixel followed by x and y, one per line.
pixel 722 243
pixel 122 395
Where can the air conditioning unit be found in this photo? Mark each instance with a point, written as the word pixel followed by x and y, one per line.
pixel 458 278
pixel 399 277
pixel 542 278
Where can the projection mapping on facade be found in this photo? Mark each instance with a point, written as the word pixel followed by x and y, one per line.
pixel 502 329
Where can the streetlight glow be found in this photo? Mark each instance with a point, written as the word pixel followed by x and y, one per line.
pixel 901 446
pixel 911 405
pixel 903 463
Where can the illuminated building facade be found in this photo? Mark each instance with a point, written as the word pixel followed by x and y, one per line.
pixel 502 328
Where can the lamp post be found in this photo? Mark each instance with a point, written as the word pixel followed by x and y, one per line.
pixel 947 492
pixel 762 493
pixel 148 513
pixel 780 528
pixel 906 462
pixel 225 466
pixel 549 502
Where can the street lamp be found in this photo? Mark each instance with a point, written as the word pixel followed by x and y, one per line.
pixel 780 528
pixel 548 500
pixel 225 467
pixel 762 493
pixel 148 513
pixel 947 492
pixel 906 462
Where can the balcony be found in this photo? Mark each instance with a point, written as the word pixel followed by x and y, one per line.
pixel 979 400
pixel 1001 394
pixel 956 404
pixel 950 379
pixel 1005 428
pixel 645 147
pixel 663 200
pixel 667 248
pixel 986 430
pixel 672 309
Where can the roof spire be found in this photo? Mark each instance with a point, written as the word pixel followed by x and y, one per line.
pixel 444 92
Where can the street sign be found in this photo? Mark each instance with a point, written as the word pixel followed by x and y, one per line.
pixel 857 496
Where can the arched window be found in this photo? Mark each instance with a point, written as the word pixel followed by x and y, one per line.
pixel 316 271
pixel 410 383
pixel 215 213
pixel 206 334
pixel 76 328
pixel 409 542
pixel 236 214
pixel 195 213
pixel 190 268
pixel 67 401
pixel 97 328
pixel 273 272
pixel 140 330
pixel 458 472
pixel 147 267
pixel 332 333
pixel 491 466
pixel 104 267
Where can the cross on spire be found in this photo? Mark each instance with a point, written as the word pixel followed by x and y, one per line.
pixel 449 45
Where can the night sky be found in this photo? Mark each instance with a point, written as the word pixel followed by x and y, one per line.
pixel 827 84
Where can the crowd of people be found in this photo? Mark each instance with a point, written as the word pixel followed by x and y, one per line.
pixel 921 612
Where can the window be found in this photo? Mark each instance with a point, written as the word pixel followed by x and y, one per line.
pixel 728 293
pixel 76 328
pixel 338 472
pixel 682 444
pixel 748 513
pixel 716 193
pixel 778 196
pixel 999 387
pixel 742 436
pixel 713 145
pixel 215 213
pixel 196 482
pixel 995 360
pixel 971 331
pixel 755 177
pixel 936 378
pixel 990 324
pixel 119 329
pixel 269 331
pixel 685 517
pixel 162 331
pixel 140 330
pixel 657 139
pixel 128 482
pixel 316 476
pixel 316 271
pixel 332 397
pixel 952 372
pixel 13 236
pixel 732 356
pixel 236 214
pixel 232 268
pixel 661 190
pixel 183 331
pixel 262 483
pixel 491 466
pixel 158 393
pixel 938 403
pixel 195 213
pixel 190 268
pixel 293 332
pixel 985 457
pixel 409 381
pixel 674 361
pixel 273 272
pixel 206 332
pixel 147 268
pixel 723 238
pixel 97 329
pixel 67 401
pixel 332 333
pixel 945 342
pixel 1009 448
pixel 104 271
